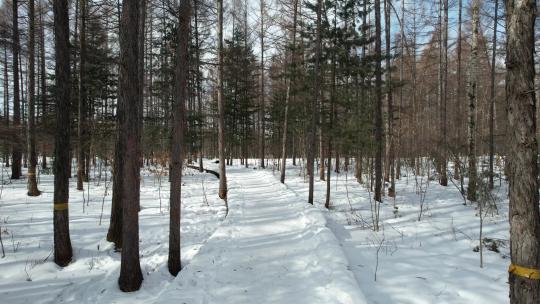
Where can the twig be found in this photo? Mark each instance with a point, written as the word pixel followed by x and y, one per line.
pixel 2 243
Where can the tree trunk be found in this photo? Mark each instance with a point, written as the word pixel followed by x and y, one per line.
pixel 31 131
pixel 458 93
pixel 62 243
pixel 492 98
pixel 177 149
pixel 130 269
pixel 198 83
pixel 523 155
pixel 472 88
pixel 43 79
pixel 314 108
pixel 443 73
pixel 379 137
pixel 16 153
pixel 290 86
pixel 389 96
pixel 261 104
pixel 221 107
pixel 6 104
pixel 81 123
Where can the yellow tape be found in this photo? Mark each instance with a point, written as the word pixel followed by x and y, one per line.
pixel 31 174
pixel 60 206
pixel 529 273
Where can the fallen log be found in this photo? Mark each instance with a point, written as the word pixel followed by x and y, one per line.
pixel 205 170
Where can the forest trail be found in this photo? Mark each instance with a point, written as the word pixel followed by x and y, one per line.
pixel 272 248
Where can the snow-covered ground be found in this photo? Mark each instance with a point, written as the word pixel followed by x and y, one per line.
pixel 28 274
pixel 271 248
pixel 429 261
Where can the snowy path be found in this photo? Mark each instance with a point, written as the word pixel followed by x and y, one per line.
pixel 272 248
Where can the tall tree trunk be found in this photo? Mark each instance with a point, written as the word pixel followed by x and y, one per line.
pixel 31 131
pixel 177 149
pixel 198 84
pixel 81 123
pixel 457 162
pixel 62 243
pixel 261 104
pixel 290 86
pixel 16 152
pixel 43 79
pixel 141 39
pixel 397 150
pixel 472 88
pixel 492 98
pixel 524 277
pixel 6 103
pixel 379 137
pixel 443 75
pixel 389 96
pixel 130 269
pixel 332 113
pixel 314 107
pixel 221 106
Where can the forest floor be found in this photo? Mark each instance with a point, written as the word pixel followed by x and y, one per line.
pixel 271 248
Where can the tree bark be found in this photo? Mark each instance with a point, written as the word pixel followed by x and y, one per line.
pixel 290 86
pixel 458 89
pixel 82 108
pixel 31 130
pixel 62 243
pixel 177 149
pixel 492 98
pixel 389 96
pixel 198 83
pixel 314 107
pixel 221 107
pixel 443 91
pixel 130 269
pixel 6 103
pixel 43 79
pixel 16 152
pixel 261 104
pixel 379 137
pixel 523 182
pixel 472 88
